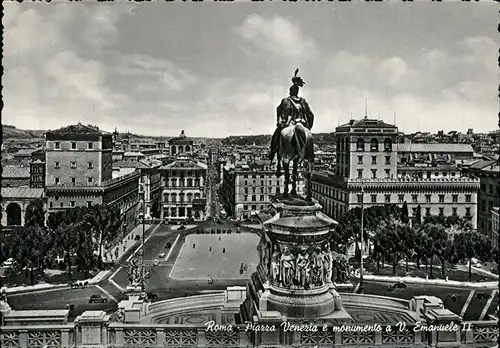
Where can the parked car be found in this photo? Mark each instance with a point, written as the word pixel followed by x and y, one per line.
pixel 181 227
pixel 96 298
pixel 399 285
pixel 140 252
pixel 137 237
pixel 152 296
pixel 168 245
pixel 161 255
pixel 156 262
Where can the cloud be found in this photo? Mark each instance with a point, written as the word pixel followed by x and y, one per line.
pixel 161 73
pixel 276 35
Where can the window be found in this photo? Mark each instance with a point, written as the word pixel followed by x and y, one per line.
pixel 441 210
pixel 246 189
pixel 387 198
pixel 245 198
pixel 57 165
pixel 277 190
pixel 90 146
pixel 427 211
pixel 73 165
pixel 73 181
pixel 90 180
pixel 261 198
pixel 254 176
pixel 441 198
pixel 374 145
pixel 360 173
pixel 73 145
pixel 360 159
pixel 454 198
pixel 388 173
pixel 401 198
pixel 454 210
pixel 427 198
pixel 374 173
pixel 387 145
pixel 360 198
pixel 374 159
pixel 262 183
pixel 414 211
pixel 483 187
pixel 468 198
pixel 245 207
pixel 245 176
pixel 414 198
pixel 374 198
pixel 491 188
pixel 72 204
pixel 483 205
pixel 61 205
pixel 360 145
pixel 51 204
pixel 90 165
pixel 246 183
pixel 261 190
pixel 436 174
pixel 57 145
pixel 387 159
pixel 254 207
pixel 253 189
pixel 254 198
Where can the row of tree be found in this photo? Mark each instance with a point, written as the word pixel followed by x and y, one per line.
pixel 449 239
pixel 77 235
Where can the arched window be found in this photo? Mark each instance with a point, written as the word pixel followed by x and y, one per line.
pixel 387 145
pixel 181 149
pixel 360 144
pixel 374 145
pixel 165 198
pixel 173 150
pixel 189 197
pixel 13 214
pixel 338 144
pixel 346 146
pixel 181 197
pixel 174 197
pixel 188 148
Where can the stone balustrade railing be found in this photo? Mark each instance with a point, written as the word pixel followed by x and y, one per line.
pixel 480 334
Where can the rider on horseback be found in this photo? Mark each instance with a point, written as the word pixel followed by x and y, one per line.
pixel 292 109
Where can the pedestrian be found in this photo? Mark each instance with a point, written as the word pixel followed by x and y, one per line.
pixel 194 245
pixel 223 250
pixel 210 249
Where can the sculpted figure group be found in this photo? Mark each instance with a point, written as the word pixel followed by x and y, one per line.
pixel 309 267
pixel 135 273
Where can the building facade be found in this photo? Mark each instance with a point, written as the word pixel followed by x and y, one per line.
pixel 495 225
pixel 181 145
pixel 368 173
pixel 183 190
pixel 247 188
pixel 78 172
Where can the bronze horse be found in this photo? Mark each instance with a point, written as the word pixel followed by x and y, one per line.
pixel 296 145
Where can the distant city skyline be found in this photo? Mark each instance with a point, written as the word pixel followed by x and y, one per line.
pixel 217 70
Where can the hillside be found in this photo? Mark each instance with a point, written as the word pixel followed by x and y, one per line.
pixel 11 132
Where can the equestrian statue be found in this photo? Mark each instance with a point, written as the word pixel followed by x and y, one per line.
pixel 292 141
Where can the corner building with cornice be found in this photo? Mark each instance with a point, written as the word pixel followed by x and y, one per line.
pixel 367 158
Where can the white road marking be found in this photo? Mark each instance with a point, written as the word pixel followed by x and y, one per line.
pixel 466 305
pixel 488 304
pixel 31 292
pixel 116 285
pixel 114 273
pixel 111 297
pixel 141 245
pixel 172 247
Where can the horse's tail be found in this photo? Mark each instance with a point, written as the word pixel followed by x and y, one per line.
pixel 299 140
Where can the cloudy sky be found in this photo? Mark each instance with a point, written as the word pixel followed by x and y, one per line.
pixel 221 69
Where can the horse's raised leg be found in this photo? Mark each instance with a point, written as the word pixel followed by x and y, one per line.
pixel 286 168
pixel 294 178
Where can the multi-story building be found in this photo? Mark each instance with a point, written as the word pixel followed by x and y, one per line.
pixel 367 172
pixel 495 225
pixel 183 190
pixel 434 152
pixel 488 172
pixel 182 145
pixel 247 188
pixel 79 170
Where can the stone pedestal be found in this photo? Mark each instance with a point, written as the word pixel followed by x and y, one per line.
pixel 91 327
pixel 294 275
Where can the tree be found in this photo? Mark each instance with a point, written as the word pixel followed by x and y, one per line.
pixel 28 245
pixel 471 244
pixel 435 241
pixel 405 216
pixel 35 214
pixel 408 237
pixel 418 215
pixel 105 222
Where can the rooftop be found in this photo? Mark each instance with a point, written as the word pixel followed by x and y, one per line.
pixel 78 129
pixel 22 192
pixel 367 123
pixel 434 147
pixel 185 164
pixel 16 172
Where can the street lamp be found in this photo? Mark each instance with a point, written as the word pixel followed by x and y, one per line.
pixel 361 281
